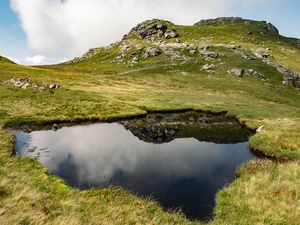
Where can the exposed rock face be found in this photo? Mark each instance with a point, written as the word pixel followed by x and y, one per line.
pixel 149 28
pixel 272 29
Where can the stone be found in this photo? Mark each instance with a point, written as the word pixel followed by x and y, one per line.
pixel 253 73
pixel 25 86
pixel 42 88
pixel 54 86
pixel 171 34
pixel 237 72
pixel 55 127
pixel 146 56
pixel 135 59
pixel 262 55
pixel 209 54
pixel 152 51
pixel 209 67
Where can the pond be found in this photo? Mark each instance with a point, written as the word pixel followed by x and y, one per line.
pixel 178 159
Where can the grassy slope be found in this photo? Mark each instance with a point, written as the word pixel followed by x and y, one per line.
pixel 265 192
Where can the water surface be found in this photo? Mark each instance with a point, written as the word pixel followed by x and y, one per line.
pixel 179 162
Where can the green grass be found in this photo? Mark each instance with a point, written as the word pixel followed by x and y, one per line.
pixel 265 192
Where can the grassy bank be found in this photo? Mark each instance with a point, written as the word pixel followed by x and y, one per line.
pixel 265 192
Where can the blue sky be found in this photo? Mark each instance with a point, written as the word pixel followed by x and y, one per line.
pixel 30 30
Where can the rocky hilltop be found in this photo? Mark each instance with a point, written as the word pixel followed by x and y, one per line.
pixel 211 43
pixel 267 28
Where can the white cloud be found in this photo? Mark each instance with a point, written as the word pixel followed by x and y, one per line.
pixel 67 28
pixel 35 60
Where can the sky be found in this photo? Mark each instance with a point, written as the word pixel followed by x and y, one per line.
pixel 36 32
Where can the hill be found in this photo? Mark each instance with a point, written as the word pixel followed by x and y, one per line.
pixel 209 43
pixel 242 67
pixel 5 60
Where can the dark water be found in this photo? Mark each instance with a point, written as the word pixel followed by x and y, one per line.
pixel 178 163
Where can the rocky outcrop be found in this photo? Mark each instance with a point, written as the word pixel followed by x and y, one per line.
pixel 25 83
pixel 220 21
pixel 271 29
pixel 151 52
pixel 149 28
pixel 268 27
pixel 290 77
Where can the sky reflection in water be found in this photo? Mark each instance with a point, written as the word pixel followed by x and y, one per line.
pixel 184 173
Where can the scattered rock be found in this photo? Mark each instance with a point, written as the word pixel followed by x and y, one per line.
pixel 25 86
pixel 237 72
pixel 290 77
pixel 207 54
pixel 192 51
pixel 228 46
pixel 25 83
pixel 261 55
pixel 151 52
pixel 209 67
pixel 171 34
pixel 135 59
pixel 54 86
pixel 253 73
pixel 42 88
